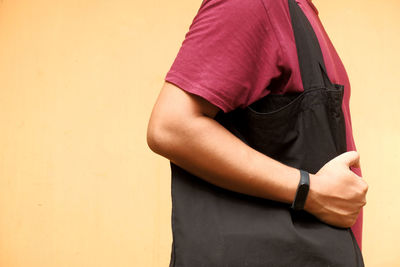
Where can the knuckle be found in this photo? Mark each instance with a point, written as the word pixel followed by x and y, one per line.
pixel 355 154
pixel 365 188
pixel 348 223
pixel 352 221
pixel 364 201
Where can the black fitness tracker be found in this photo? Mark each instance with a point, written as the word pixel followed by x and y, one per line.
pixel 302 191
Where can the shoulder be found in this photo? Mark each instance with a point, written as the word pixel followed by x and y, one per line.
pixel 239 5
pixel 235 9
pixel 234 14
pixel 241 11
pixel 242 5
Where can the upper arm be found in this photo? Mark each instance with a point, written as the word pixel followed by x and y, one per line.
pixel 177 102
pixel 174 109
pixel 185 102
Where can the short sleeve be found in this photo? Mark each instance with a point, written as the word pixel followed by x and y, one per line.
pixel 229 55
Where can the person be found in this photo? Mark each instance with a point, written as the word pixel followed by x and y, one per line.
pixel 235 53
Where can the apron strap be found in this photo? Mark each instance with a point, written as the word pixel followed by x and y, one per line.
pixel 311 61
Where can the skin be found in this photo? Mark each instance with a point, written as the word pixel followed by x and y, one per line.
pixel 182 129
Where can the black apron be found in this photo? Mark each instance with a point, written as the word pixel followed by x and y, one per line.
pixel 215 227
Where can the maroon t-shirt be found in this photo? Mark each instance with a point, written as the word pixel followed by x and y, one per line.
pixel 237 51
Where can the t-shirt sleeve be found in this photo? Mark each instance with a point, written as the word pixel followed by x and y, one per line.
pixel 229 55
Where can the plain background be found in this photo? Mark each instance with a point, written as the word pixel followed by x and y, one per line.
pixel 78 79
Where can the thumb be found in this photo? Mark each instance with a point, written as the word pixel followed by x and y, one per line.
pixel 350 158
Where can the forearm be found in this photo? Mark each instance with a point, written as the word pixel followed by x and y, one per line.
pixel 205 148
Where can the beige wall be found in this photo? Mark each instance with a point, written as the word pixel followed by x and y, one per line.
pixel 78 78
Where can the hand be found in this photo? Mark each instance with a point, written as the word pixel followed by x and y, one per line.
pixel 336 193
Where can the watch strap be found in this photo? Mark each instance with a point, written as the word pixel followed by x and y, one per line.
pixel 302 191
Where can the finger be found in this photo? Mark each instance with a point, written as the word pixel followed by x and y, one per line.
pixel 350 158
pixel 356 175
pixel 365 185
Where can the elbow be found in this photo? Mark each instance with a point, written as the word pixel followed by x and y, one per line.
pixel 171 136
pixel 163 136
pixel 176 120
pixel 154 138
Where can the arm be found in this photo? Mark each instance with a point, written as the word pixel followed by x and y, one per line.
pixel 182 129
